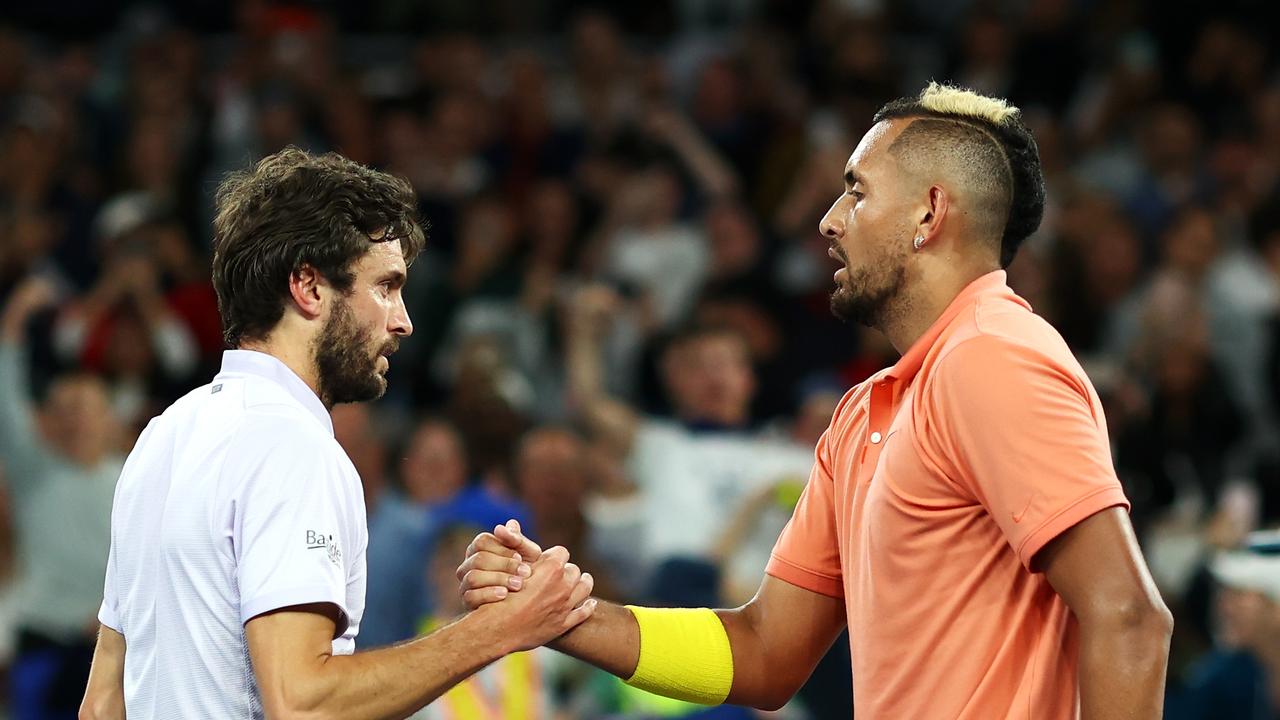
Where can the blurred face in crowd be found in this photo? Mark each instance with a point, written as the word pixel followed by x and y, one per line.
pixel 442 567
pixel 814 416
pixel 78 418
pixel 434 466
pixel 735 242
pixel 551 473
pixel 129 352
pixel 1191 243
pixel 354 432
pixel 1113 259
pixel 1170 139
pixel 710 379
pixel 1247 619
pixel 870 229
pixel 364 328
pixel 551 219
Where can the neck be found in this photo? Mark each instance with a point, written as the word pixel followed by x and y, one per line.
pixel 296 355
pixel 936 284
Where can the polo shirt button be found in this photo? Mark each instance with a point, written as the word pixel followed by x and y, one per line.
pixel 875 437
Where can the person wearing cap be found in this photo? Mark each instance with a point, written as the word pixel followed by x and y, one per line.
pixel 1240 679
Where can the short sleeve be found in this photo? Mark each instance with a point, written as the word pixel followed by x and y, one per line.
pixel 292 536
pixel 108 612
pixel 807 553
pixel 1024 433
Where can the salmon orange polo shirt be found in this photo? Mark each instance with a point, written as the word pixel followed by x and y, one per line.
pixel 937 482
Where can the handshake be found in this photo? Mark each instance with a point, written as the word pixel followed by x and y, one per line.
pixel 530 595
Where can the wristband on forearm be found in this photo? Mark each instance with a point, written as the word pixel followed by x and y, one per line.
pixel 684 654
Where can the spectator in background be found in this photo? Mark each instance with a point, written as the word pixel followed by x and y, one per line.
pixel 432 470
pixel 436 487
pixel 125 327
pixel 1178 446
pixel 543 139
pixel 1240 679
pixel 517 686
pixel 355 428
pixel 60 468
pixel 695 470
pixel 553 475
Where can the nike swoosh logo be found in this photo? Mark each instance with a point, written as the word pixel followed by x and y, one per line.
pixel 1017 517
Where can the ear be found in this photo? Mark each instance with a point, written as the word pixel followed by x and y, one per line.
pixel 308 289
pixel 938 203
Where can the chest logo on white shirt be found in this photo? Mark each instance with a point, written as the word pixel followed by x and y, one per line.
pixel 321 541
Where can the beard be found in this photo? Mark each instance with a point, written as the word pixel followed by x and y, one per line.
pixel 867 293
pixel 347 367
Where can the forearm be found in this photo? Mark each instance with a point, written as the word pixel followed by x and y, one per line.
pixel 608 418
pixel 583 366
pixel 610 640
pixel 20 447
pixel 104 694
pixel 396 681
pixel 715 176
pixel 1123 666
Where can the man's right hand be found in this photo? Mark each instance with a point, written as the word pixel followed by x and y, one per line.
pixel 592 307
pixel 555 599
pixel 497 563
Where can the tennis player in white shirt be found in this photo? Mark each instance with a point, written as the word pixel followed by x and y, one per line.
pixel 235 584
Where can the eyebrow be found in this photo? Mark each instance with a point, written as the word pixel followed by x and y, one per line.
pixel 395 277
pixel 851 177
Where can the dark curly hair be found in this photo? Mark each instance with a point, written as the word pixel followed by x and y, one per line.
pixel 293 209
pixel 989 121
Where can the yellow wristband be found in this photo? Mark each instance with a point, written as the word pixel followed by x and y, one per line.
pixel 684 654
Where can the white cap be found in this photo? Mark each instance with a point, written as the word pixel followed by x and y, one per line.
pixel 1254 567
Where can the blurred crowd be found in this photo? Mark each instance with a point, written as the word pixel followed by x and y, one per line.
pixel 622 334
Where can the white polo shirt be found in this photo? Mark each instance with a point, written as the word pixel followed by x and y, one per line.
pixel 236 501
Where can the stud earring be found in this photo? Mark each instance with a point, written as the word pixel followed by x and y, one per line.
pixel 919 242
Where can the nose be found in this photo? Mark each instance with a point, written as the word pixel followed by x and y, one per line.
pixel 832 224
pixel 400 322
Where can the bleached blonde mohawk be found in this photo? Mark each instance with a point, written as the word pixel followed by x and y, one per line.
pixel 990 138
pixel 952 100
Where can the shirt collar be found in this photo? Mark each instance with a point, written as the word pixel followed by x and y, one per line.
pixel 993 283
pixel 270 368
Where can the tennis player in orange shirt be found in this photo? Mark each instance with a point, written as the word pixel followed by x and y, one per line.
pixel 963 516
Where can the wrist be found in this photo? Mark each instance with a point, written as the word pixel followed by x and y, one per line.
pixel 487 627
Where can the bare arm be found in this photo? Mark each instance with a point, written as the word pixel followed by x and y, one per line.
pixel 776 639
pixel 299 676
pixel 713 174
pixel 610 420
pixel 1125 627
pixel 21 447
pixel 104 695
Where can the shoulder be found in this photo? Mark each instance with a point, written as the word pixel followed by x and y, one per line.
pixel 850 406
pixel 1004 344
pixel 288 444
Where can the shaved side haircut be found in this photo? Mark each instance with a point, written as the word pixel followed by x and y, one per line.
pixel 982 142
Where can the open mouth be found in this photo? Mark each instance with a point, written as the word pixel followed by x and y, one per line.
pixel 841 272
